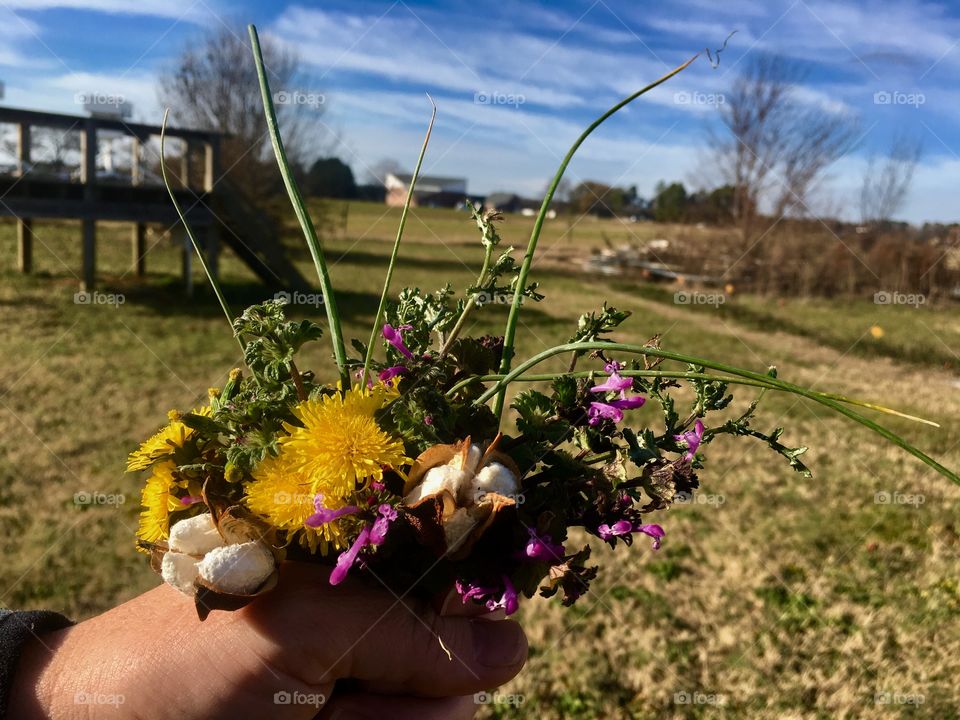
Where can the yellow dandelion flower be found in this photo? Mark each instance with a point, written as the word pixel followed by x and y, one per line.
pixel 158 501
pixel 284 496
pixel 163 443
pixel 340 445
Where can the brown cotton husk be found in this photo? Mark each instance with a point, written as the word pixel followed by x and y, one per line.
pixel 209 598
pixel 442 455
pixel 238 525
pixel 440 520
pixel 460 539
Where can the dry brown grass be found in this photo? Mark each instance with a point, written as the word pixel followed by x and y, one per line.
pixel 791 598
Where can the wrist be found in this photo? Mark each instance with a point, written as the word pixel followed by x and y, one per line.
pixel 38 688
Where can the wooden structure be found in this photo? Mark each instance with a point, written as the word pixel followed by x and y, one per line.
pixel 215 210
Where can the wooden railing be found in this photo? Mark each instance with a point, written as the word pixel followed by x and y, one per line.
pixel 27 197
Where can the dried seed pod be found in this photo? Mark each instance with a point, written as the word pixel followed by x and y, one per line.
pixel 461 488
pixel 223 560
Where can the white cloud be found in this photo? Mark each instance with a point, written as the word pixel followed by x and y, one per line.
pixel 58 93
pixel 191 10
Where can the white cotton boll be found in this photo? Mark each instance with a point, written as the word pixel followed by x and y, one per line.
pixel 443 477
pixel 195 536
pixel 494 478
pixel 180 571
pixel 473 459
pixel 237 569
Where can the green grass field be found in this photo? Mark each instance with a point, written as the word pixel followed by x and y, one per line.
pixel 776 597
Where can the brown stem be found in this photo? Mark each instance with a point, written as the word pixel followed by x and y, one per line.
pixel 298 381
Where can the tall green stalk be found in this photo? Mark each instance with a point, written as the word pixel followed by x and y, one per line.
pixel 396 247
pixel 681 375
pixel 299 207
pixel 214 283
pixel 499 388
pixel 510 332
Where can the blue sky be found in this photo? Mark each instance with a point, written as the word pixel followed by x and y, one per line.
pixel 516 81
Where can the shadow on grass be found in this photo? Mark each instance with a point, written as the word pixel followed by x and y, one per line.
pixel 359 257
pixel 165 296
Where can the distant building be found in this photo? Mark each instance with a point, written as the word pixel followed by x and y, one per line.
pixel 431 191
pixel 511 203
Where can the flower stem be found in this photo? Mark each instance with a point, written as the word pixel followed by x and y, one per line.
pixel 500 387
pixel 510 332
pixel 471 303
pixel 547 377
pixel 214 283
pixel 396 248
pixel 299 207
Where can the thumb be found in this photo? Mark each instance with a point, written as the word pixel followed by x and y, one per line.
pixel 389 643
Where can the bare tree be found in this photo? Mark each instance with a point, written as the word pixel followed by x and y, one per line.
pixel 886 182
pixel 774 148
pixel 213 86
pixel 377 175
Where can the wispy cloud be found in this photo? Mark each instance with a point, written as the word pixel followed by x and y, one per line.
pixel 190 10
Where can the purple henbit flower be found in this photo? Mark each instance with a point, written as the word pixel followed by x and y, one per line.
pixel 693 439
pixel 394 336
pixel 428 419
pixel 387 375
pixel 469 591
pixel 381 525
pixel 626 527
pixel 322 515
pixel 599 412
pixel 541 548
pixel 508 602
pixel 191 499
pixel 493 598
pixel 349 557
pixel 613 409
pixel 372 534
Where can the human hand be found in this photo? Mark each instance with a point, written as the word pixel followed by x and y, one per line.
pixel 278 657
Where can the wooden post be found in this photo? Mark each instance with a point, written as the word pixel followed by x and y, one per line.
pixel 24 225
pixel 25 245
pixel 136 172
pixel 23 149
pixel 138 249
pixel 88 176
pixel 211 165
pixel 186 163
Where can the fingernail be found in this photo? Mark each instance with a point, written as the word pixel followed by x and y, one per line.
pixel 498 644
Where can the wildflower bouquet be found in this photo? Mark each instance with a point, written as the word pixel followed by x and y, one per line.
pixel 408 468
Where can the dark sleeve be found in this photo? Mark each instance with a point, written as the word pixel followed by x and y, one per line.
pixel 16 628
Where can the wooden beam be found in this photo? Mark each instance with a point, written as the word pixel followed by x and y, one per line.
pixel 186 163
pixel 136 172
pixel 211 166
pixel 23 149
pixel 14 116
pixel 25 245
pixel 88 176
pixel 89 276
pixel 138 249
pixel 88 158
